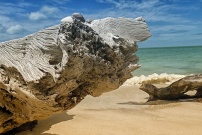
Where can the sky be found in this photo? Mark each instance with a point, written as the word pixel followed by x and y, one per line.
pixel 171 22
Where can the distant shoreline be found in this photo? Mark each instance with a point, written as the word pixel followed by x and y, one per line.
pixel 148 47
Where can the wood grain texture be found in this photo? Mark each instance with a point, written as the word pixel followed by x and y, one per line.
pixel 54 69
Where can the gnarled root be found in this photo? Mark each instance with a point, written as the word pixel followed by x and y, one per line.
pixel 176 90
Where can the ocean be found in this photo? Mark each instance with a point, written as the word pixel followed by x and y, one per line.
pixel 171 60
pixel 166 64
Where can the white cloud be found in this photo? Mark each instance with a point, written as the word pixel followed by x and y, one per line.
pixel 174 27
pixel 168 20
pixel 37 16
pixel 2 28
pixel 60 1
pixel 10 8
pixel 151 10
pixel 14 29
pixel 150 16
pixel 23 4
pixel 43 13
pixel 123 4
pixel 5 19
pixel 49 10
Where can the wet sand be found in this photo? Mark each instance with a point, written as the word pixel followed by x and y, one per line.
pixel 124 112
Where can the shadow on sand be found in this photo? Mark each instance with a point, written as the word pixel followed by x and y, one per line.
pixel 45 125
pixel 158 102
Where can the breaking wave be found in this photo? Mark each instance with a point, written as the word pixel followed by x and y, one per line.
pixel 154 79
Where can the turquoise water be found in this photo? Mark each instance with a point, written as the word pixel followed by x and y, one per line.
pixel 172 60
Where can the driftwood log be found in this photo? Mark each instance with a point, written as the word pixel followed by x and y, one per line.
pixel 54 69
pixel 176 90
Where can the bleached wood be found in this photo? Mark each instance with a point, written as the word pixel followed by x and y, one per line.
pixel 54 69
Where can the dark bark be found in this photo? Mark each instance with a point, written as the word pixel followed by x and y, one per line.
pixel 26 126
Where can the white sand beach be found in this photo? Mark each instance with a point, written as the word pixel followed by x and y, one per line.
pixel 124 112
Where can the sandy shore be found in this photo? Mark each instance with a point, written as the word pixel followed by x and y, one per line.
pixel 124 112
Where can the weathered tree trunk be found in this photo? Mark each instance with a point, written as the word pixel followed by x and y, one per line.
pixel 176 90
pixel 53 70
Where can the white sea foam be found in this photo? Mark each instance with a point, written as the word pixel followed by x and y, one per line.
pixel 154 78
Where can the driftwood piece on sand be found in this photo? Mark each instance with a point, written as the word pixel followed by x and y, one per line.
pixel 176 90
pixel 54 69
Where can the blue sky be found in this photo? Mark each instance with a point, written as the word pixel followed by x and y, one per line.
pixel 171 22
